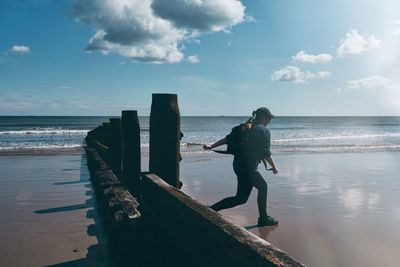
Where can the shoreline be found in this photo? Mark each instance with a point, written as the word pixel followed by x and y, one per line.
pixel 192 154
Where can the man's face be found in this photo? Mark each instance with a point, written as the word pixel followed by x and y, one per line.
pixel 266 120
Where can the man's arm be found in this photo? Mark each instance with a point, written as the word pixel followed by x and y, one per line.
pixel 272 163
pixel 216 144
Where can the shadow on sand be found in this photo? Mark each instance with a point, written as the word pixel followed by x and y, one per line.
pixel 98 254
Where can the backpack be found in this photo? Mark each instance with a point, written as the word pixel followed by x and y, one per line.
pixel 237 138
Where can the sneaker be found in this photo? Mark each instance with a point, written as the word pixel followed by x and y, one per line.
pixel 267 221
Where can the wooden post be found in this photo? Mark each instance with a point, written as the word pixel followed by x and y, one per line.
pixel 105 133
pixel 130 131
pixel 165 138
pixel 115 145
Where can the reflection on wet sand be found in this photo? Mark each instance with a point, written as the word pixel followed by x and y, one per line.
pixel 263 232
pixel 356 199
pixel 328 205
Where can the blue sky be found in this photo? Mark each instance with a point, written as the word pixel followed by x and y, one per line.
pixel 303 58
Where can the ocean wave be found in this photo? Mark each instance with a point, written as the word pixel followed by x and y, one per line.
pixel 338 137
pixel 49 131
pixel 41 147
pixel 48 125
pixel 290 128
pixel 341 148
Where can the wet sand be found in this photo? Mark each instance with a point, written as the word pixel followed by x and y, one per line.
pixel 48 212
pixel 339 209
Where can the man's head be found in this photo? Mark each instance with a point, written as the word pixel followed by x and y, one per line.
pixel 263 115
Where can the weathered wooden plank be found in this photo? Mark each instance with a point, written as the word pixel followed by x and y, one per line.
pixel 204 234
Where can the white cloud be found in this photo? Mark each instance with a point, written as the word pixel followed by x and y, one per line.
pixel 295 75
pixel 355 43
pixel 193 59
pixel 397 24
pixel 20 49
pixel 153 30
pixel 288 74
pixel 323 74
pixel 369 82
pixel 302 56
pixel 130 29
pixel 396 31
pixel 196 41
pixel 249 18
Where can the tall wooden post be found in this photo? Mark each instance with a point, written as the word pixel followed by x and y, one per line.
pixel 165 138
pixel 130 130
pixel 115 145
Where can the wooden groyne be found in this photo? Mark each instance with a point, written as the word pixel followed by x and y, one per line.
pixel 150 222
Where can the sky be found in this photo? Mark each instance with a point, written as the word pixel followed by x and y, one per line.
pixel 227 57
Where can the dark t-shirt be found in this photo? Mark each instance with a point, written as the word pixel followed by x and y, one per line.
pixel 258 147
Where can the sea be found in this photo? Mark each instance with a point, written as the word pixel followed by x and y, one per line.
pixel 288 134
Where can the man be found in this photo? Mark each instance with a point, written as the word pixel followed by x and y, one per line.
pixel 245 165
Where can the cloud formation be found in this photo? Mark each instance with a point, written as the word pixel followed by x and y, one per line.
pixel 152 30
pixel 323 74
pixel 369 82
pixel 193 59
pixel 397 25
pixel 302 56
pixel 20 49
pixel 355 43
pixel 295 75
pixel 200 15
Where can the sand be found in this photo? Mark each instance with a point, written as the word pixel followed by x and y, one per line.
pixel 339 209
pixel 48 212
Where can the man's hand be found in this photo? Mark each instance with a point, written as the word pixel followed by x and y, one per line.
pixel 207 147
pixel 272 163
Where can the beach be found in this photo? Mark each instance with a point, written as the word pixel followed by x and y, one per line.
pixel 334 209
pixel 49 213
pixel 336 196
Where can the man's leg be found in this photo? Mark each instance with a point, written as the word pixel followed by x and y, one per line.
pixel 242 194
pixel 261 185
